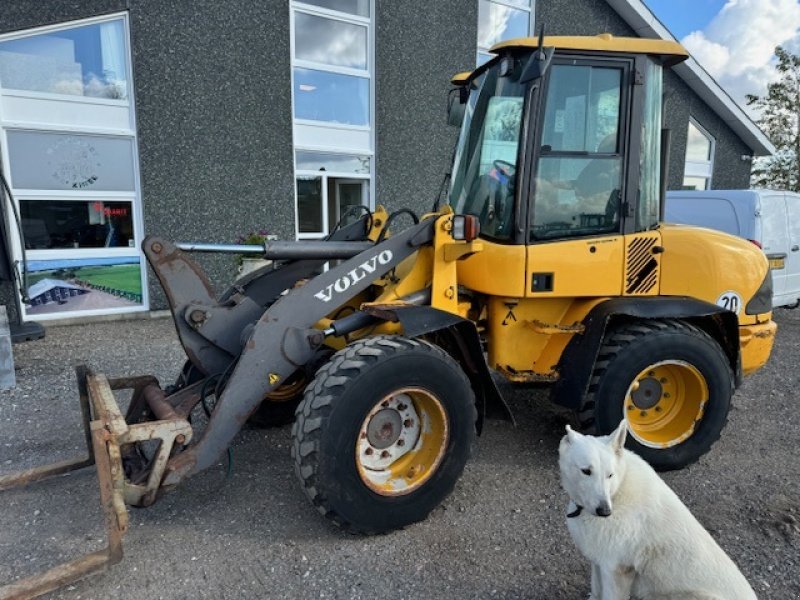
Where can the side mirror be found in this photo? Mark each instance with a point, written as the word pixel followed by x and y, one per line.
pixel 456 106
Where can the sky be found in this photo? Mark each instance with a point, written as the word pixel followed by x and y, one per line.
pixel 734 40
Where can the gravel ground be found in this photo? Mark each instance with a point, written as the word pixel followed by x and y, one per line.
pixel 501 534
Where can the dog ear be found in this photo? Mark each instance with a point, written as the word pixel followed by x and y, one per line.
pixel 571 434
pixel 618 437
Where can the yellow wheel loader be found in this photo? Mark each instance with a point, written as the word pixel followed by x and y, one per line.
pixel 548 262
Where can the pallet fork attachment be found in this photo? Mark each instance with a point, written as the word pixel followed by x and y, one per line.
pixel 106 432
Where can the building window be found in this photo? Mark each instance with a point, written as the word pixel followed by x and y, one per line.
pixel 699 158
pixel 68 144
pixel 333 103
pixel 500 20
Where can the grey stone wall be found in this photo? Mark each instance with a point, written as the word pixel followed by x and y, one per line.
pixel 420 46
pixel 213 104
pixel 730 171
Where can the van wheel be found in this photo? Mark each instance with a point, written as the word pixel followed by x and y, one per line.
pixel 383 433
pixel 670 381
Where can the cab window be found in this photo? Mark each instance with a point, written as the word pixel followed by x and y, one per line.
pixel 578 186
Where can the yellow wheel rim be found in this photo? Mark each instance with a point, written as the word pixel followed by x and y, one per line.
pixel 665 402
pixel 402 441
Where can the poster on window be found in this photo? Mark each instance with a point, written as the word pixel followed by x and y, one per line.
pixel 83 284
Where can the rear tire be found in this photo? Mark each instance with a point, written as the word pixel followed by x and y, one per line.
pixel 385 395
pixel 670 381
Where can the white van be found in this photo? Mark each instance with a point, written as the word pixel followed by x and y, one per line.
pixel 770 219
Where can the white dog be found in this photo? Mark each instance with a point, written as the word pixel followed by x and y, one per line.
pixel 640 538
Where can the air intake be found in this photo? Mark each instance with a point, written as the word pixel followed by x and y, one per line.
pixel 641 267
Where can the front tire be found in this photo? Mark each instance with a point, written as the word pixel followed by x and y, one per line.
pixel 670 381
pixel 383 433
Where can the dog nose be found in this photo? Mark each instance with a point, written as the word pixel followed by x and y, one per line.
pixel 603 511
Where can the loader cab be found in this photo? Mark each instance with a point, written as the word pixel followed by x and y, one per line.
pixel 570 156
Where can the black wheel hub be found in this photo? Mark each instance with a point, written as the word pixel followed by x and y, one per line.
pixel 648 394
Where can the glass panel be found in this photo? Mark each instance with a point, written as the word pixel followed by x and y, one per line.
pixel 576 196
pixel 309 205
pixel 497 22
pixel 356 7
pixel 583 109
pixel 694 183
pixel 647 211
pixel 81 61
pixel 83 284
pixel 65 161
pixel 330 41
pixel 324 161
pixel 331 97
pixel 698 145
pixel 484 57
pixel 76 224
pixel 349 194
pixel 521 3
pixel 484 171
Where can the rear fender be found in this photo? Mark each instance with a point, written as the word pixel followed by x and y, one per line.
pixel 459 338
pixel 577 362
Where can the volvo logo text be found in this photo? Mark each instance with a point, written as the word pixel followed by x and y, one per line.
pixel 342 284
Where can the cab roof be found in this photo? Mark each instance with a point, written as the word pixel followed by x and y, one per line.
pixel 670 52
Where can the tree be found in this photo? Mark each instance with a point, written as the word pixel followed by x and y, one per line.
pixel 780 120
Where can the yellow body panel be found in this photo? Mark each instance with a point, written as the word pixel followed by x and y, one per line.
pixel 704 264
pixel 527 336
pixel 756 345
pixel 527 332
pixel 580 267
pixel 498 270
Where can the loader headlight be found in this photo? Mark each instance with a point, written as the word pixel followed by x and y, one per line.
pixel 466 227
pixel 761 302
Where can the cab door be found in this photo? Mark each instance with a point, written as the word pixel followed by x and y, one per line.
pixel 575 234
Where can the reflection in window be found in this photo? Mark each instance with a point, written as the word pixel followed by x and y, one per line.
pixel 355 7
pixel 309 204
pixel 80 61
pixel 330 41
pixel 307 160
pixel 576 196
pixel 698 145
pixel 51 224
pixel 699 158
pixel 497 22
pixel 583 109
pixel 324 96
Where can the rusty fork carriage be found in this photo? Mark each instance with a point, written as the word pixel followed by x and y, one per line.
pixel 110 436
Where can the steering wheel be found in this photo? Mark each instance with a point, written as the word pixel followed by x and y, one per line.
pixel 506 167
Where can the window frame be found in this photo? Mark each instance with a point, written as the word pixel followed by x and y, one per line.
pixel 700 169
pixel 81 125
pixel 299 63
pixel 630 105
pixel 327 136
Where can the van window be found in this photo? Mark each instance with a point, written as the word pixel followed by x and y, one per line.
pixel 714 213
